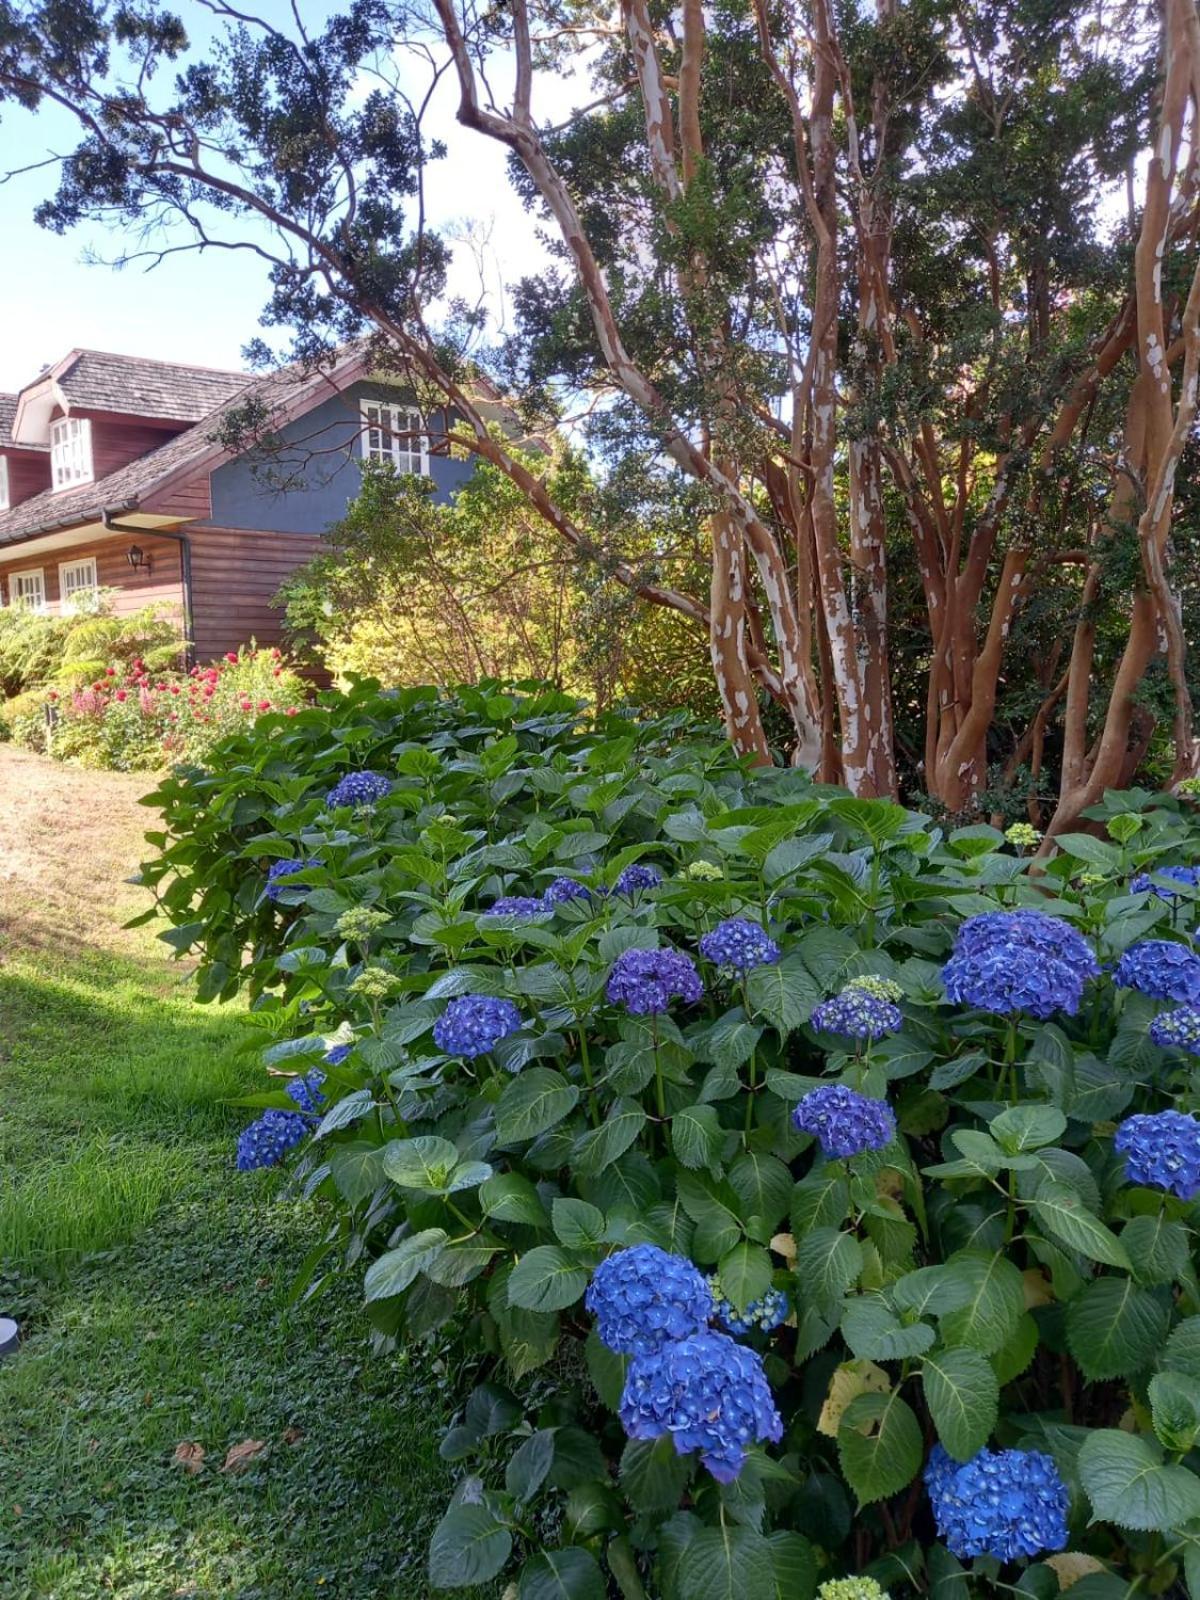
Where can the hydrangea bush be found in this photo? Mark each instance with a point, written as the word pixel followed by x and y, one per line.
pixel 815 1205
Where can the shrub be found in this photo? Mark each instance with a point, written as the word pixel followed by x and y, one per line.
pixel 948 1340
pixel 131 718
pixel 38 649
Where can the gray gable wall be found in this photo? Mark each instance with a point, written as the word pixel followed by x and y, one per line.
pixel 326 470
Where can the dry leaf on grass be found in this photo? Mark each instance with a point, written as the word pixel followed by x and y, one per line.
pixel 241 1456
pixel 293 1435
pixel 189 1456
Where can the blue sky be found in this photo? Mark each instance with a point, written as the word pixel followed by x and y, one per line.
pixel 204 308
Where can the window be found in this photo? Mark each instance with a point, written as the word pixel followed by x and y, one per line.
pixel 393 434
pixel 3 483
pixel 78 588
pixel 28 589
pixel 70 452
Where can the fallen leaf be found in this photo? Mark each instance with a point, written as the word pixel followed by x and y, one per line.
pixel 241 1456
pixel 784 1245
pixel 1073 1565
pixel 1036 1288
pixel 262 1283
pixel 293 1435
pixel 189 1456
pixel 848 1382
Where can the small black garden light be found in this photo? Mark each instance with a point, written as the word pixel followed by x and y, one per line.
pixel 9 1335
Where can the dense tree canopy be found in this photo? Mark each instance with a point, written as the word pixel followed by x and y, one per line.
pixel 904 296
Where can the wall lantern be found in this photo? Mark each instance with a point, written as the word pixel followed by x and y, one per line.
pixel 138 559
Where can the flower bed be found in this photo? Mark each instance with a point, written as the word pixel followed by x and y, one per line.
pixel 811 1191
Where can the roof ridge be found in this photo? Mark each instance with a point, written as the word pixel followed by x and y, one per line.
pixel 157 361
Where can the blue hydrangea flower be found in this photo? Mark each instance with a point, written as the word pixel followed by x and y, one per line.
pixel 563 889
pixel 280 871
pixel 1161 968
pixel 515 905
pixel 306 1091
pixel 1008 1504
pixel 473 1024
pixel 337 1053
pixel 1019 961
pixel 736 945
pixel 707 1392
pixel 644 1297
pixel 1177 1030
pixel 761 1316
pixel 1188 876
pixel 359 789
pixel 846 1123
pixel 1162 1151
pixel 646 981
pixel 637 877
pixel 265 1142
pixel 857 1014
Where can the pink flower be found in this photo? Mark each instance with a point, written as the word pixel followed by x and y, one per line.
pixel 120 695
pixel 264 705
pixel 293 711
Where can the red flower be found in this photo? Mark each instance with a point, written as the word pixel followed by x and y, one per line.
pixel 293 711
pixel 53 694
pixel 264 705
pixel 245 705
pixel 110 672
pixel 120 695
pixel 231 656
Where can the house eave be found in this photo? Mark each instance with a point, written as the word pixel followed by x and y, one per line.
pixel 73 531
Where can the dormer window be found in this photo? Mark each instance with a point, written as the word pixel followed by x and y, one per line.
pixel 395 436
pixel 70 452
pixel 4 501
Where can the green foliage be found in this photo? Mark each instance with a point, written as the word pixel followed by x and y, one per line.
pixel 989 1279
pixel 37 649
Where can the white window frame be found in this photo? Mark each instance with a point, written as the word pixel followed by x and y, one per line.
pixel 76 597
pixel 70 452
pixel 382 422
pixel 27 602
pixel 4 500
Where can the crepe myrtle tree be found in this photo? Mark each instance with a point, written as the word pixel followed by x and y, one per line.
pixel 903 283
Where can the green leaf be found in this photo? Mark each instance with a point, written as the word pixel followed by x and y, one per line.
pixel 1175 1406
pixel 1063 1212
pixel 821 1200
pixel 1027 1127
pixel 763 1185
pixel 745 1273
pixel 568 1574
pixel 713 1207
pixel 426 1163
pixel 1124 1477
pixel 577 1224
pixel 931 1291
pixel 533 1103
pixel 963 1397
pixel 879 1445
pixel 1157 1247
pixel 794 1565
pixel 696 1136
pixel 875 1333
pixel 995 1304
pixel 1182 1352
pixel 510 1197
pixel 731 1040
pixel 1115 1329
pixel 546 1279
pixel 1094 851
pixel 606 1369
pixel 727 1563
pixel 653 1475
pixel 828 1261
pixel 395 1269
pixel 783 992
pixel 599 1147
pixel 468 1546
pixel 529 1464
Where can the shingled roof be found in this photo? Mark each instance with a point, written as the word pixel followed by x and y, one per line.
pixel 8 410
pixel 96 380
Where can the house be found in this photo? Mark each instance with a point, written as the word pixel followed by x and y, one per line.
pixel 113 477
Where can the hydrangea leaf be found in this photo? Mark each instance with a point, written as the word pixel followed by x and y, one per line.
pixel 1157 1246
pixel 794 1564
pixel 577 1224
pixel 426 1163
pixel 510 1197
pixel 697 1136
pixel 996 1300
pixel 931 1291
pixel 783 992
pixel 546 1278
pixel 963 1396
pixel 875 1333
pixel 1182 1352
pixel 606 1369
pixel 763 1185
pixel 598 1147
pixel 731 1040
pixel 1175 1407
pixel 468 1546
pixel 821 1200
pixel 1063 1212
pixel 1115 1329
pixel 1022 1128
pixel 713 1207
pixel 533 1103
pixel 745 1274
pixel 653 1475
pixel 727 1563
pixel 879 1445
pixel 828 1261
pixel 568 1574
pixel 529 1464
pixel 393 1271
pixel 1128 1483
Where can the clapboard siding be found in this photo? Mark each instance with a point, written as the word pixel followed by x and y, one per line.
pixel 129 592
pixel 235 576
pixel 28 474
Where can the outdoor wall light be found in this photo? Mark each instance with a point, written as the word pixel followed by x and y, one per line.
pixel 138 559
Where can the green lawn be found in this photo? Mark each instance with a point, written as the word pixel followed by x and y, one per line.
pixel 153 1279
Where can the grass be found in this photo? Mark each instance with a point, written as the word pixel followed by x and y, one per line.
pixel 154 1282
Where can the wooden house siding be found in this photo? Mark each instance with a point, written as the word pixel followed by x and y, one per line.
pixel 130 591
pixel 235 575
pixel 28 474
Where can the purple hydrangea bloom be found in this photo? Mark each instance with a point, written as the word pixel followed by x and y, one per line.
pixel 564 889
pixel 337 1053
pixel 1161 968
pixel 1009 1504
pixel 644 1297
pixel 637 877
pixel 646 981
pixel 1008 962
pixel 1028 930
pixel 359 789
pixel 306 1091
pixel 1178 1030
pixel 265 1142
pixel 761 1316
pixel 707 1392
pixel 857 1014
pixel 846 1123
pixel 280 871
pixel 473 1024
pixel 737 945
pixel 1188 876
pixel 1162 1151
pixel 514 905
